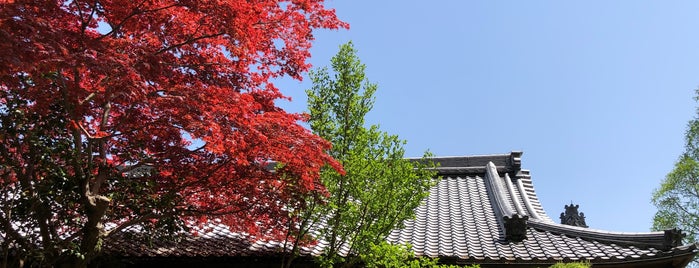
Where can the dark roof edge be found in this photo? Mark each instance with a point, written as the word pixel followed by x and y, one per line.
pixel 476 164
pixel 683 253
pixel 664 240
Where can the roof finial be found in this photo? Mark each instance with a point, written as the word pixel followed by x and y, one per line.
pixel 572 217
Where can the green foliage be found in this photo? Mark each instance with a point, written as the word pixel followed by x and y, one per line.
pixel 380 188
pixel 386 255
pixel 571 265
pixel 677 198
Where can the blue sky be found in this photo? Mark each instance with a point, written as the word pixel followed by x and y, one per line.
pixel 596 93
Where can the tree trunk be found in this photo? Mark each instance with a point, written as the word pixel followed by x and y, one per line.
pixel 93 232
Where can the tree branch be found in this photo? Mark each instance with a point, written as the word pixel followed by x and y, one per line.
pixel 188 41
pixel 103 170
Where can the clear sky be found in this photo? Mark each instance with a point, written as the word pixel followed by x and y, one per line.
pixel 596 93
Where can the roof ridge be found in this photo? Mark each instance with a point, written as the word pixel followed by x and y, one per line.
pixel 510 220
pixel 475 164
pixel 515 201
pixel 665 240
pixel 525 196
pixel 462 156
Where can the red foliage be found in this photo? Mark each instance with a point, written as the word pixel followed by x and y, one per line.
pixel 179 86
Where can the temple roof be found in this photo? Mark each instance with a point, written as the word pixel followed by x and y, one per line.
pixel 483 210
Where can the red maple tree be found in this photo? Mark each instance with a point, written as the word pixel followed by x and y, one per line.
pixel 156 113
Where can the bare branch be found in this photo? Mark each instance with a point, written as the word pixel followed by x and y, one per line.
pixel 88 98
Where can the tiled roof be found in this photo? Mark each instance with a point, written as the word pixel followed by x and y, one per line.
pixel 484 210
pixel 462 219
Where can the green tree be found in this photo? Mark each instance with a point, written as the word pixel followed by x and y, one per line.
pixel 385 255
pixel 677 198
pixel 380 188
pixel 571 265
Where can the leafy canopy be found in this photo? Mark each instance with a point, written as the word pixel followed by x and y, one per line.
pixel 386 255
pixel 380 188
pixel 156 112
pixel 677 198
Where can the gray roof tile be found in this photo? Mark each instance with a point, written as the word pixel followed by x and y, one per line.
pixel 458 221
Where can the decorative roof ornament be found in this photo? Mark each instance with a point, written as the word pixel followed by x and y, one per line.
pixel 673 238
pixel 515 227
pixel 572 217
